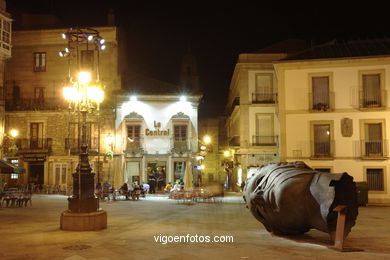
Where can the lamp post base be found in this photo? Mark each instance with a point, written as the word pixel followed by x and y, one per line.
pixel 92 221
pixel 85 205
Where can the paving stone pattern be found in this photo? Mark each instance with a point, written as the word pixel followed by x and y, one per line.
pixel 33 233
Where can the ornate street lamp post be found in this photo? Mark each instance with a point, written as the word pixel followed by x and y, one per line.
pixel 84 96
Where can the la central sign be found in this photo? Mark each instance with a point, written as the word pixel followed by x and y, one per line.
pixel 157 131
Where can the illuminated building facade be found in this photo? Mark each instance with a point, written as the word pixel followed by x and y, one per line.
pixel 49 138
pixel 334 111
pixel 5 54
pixel 329 106
pixel 128 140
pixel 252 110
pixel 156 134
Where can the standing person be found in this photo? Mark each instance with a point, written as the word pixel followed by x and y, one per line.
pixel 152 184
pixel 157 178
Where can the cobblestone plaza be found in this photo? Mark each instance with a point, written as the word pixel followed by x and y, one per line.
pixel 33 233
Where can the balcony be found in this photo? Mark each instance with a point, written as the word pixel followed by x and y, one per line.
pixel 6 33
pixel 322 150
pixel 372 100
pixel 320 103
pixel 40 145
pixel 234 141
pixel 32 104
pixel 374 149
pixel 74 145
pixel 264 98
pixel 236 102
pixel 180 145
pixel 265 140
pixel 133 145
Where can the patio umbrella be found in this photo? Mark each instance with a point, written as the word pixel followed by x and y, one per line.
pixel 188 177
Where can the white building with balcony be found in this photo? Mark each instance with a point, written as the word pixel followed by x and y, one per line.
pixel 156 132
pixel 252 108
pixel 334 111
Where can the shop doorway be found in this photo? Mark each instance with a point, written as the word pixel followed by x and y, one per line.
pixel 36 173
pixel 157 176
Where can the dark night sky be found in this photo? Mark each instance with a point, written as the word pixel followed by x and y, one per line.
pixel 160 32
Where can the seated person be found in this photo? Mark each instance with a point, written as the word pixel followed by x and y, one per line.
pixel 124 190
pixel 145 187
pixel 137 192
pixel 112 192
pixel 168 187
pixel 176 187
pixel 106 190
pixel 131 187
pixel 99 190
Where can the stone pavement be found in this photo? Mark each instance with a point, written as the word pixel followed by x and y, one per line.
pixel 33 233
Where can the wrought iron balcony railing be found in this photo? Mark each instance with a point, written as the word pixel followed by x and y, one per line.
pixel 265 140
pixel 134 145
pixel 321 103
pixel 74 145
pixel 372 99
pixel 32 104
pixel 264 98
pixel 374 149
pixel 180 144
pixel 322 150
pixel 28 145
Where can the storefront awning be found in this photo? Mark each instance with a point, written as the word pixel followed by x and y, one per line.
pixel 8 168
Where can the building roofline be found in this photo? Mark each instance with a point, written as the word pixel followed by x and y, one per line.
pixel 338 60
pixel 62 28
pixel 123 97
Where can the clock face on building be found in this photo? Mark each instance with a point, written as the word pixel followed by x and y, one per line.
pixel 346 127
